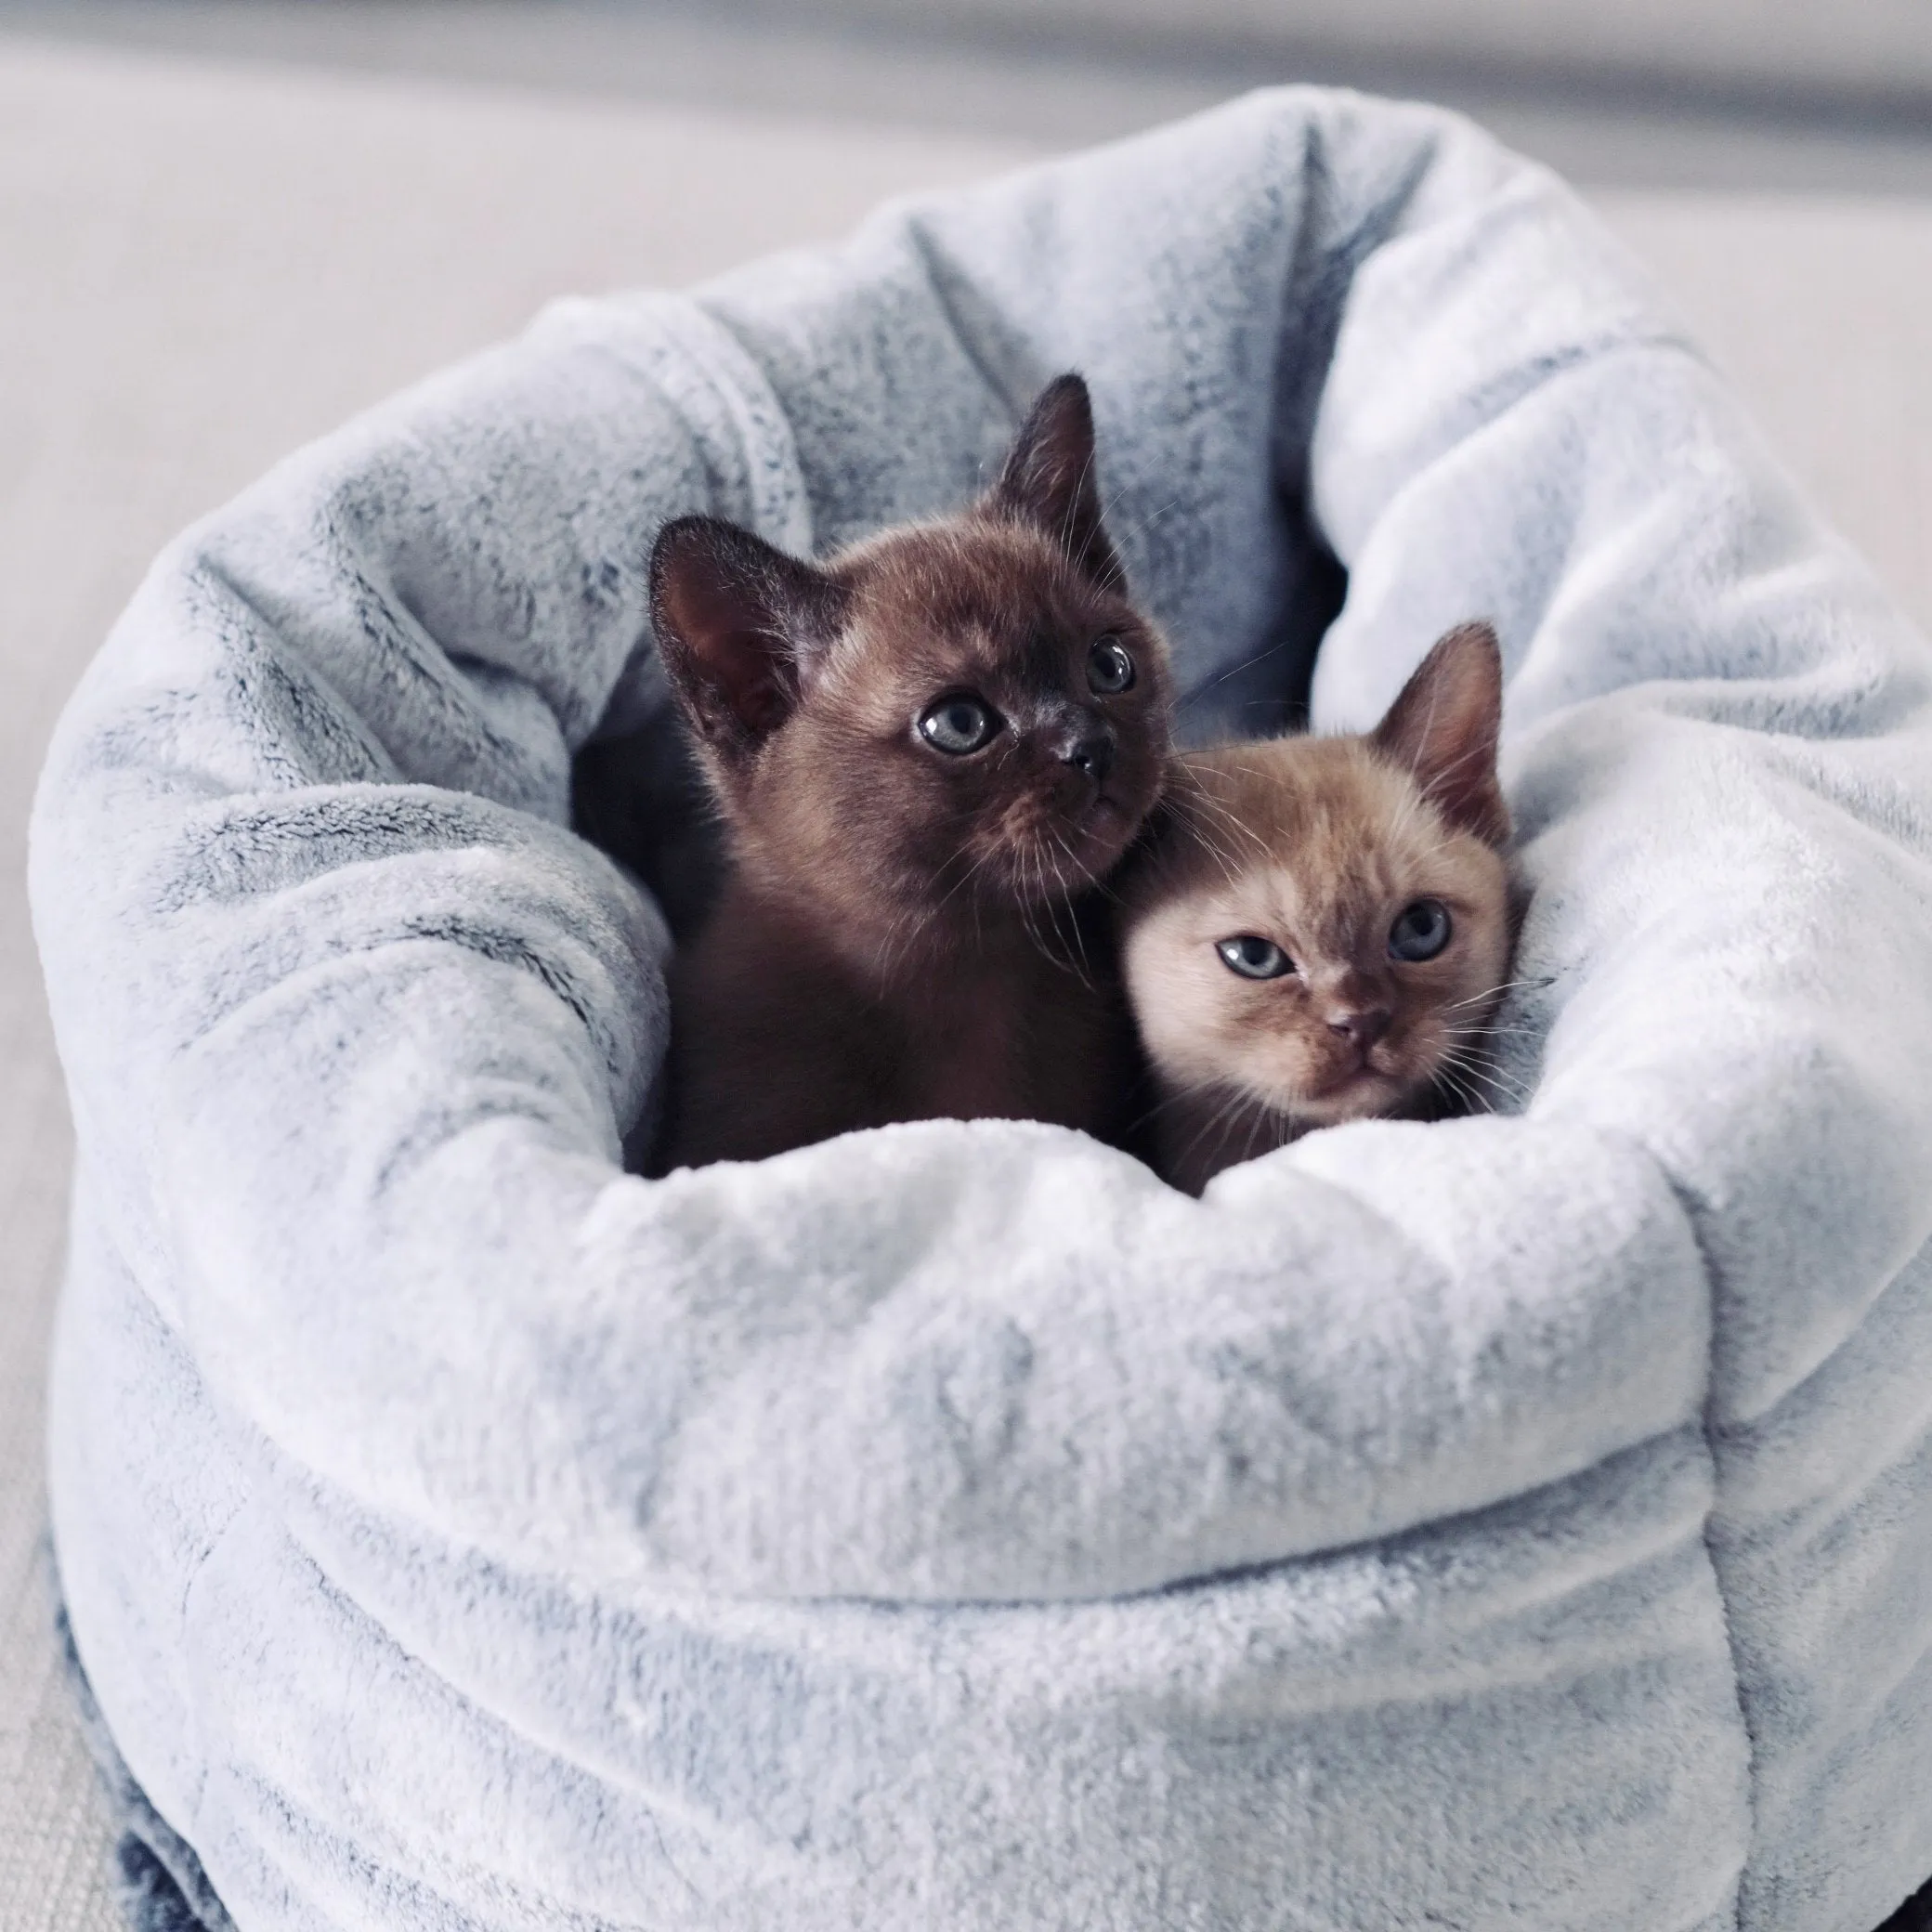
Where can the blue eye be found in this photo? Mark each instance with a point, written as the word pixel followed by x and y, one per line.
pixel 958 725
pixel 1253 957
pixel 1420 931
pixel 1110 670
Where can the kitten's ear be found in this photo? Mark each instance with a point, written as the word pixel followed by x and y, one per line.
pixel 740 625
pixel 1445 727
pixel 1048 481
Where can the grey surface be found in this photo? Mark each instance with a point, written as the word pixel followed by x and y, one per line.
pixel 1853 49
pixel 205 265
pixel 1079 70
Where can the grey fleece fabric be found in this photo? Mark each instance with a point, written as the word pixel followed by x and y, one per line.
pixel 1519 1521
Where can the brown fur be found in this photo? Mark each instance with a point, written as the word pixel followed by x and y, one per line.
pixel 1318 845
pixel 901 936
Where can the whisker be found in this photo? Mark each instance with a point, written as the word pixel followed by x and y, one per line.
pixel 1074 915
pixel 1508 985
pixel 1213 1125
pixel 1265 1119
pixel 1214 684
pixel 1227 816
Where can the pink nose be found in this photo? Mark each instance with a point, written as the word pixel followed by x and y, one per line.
pixel 1362 1026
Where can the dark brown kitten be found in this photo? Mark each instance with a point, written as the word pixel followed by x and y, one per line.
pixel 925 751
pixel 1321 930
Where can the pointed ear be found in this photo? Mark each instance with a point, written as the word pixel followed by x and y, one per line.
pixel 1445 727
pixel 1048 481
pixel 740 625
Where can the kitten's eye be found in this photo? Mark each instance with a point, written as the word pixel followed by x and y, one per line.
pixel 1420 931
pixel 1254 957
pixel 1109 668
pixel 957 724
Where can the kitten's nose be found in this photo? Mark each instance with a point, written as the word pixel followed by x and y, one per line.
pixel 1091 755
pixel 1362 1026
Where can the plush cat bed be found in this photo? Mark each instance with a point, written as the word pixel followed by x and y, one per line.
pixel 1521 1520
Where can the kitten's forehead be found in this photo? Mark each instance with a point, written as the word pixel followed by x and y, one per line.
pixel 962 597
pixel 1327 797
pixel 1311 836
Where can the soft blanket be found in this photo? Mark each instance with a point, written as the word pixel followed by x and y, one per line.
pixel 1519 1521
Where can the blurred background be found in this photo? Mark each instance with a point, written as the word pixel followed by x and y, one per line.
pixel 1758 93
pixel 227 225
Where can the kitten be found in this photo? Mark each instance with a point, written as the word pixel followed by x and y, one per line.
pixel 925 751
pixel 1320 927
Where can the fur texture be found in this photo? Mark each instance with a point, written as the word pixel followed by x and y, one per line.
pixel 903 935
pixel 1321 928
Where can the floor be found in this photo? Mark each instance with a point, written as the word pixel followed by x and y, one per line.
pixel 223 232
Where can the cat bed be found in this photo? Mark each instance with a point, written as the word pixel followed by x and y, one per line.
pixel 1518 1521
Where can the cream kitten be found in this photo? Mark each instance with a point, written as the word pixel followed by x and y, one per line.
pixel 1321 928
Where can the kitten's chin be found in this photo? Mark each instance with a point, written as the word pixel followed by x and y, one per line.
pixel 1069 859
pixel 1107 828
pixel 1361 1095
